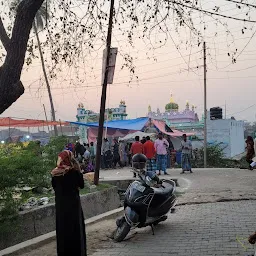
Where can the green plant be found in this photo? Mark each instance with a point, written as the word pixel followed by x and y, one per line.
pixel 215 158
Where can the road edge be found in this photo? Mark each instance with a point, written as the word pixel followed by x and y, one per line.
pixel 46 238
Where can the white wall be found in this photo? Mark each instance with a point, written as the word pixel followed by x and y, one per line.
pixel 230 133
pixel 237 137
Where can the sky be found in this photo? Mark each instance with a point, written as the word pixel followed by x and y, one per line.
pixel 161 71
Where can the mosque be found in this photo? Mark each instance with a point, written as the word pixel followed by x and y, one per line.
pixel 86 116
pixel 173 116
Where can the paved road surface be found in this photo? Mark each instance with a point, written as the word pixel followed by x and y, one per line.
pixel 205 185
pixel 198 229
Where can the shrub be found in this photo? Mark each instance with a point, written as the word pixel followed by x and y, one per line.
pixel 25 166
pixel 215 158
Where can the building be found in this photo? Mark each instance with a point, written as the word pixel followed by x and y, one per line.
pixel 173 115
pixel 117 113
pixel 87 116
pixel 228 134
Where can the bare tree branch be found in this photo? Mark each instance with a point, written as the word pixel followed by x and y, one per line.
pixel 3 36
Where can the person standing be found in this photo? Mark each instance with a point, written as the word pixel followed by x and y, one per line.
pixel 186 150
pixel 107 155
pixel 250 153
pixel 161 146
pixel 70 228
pixel 169 150
pixel 92 153
pixel 116 155
pixel 136 148
pixel 150 152
pixel 123 153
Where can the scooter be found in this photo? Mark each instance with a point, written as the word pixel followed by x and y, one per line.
pixel 147 203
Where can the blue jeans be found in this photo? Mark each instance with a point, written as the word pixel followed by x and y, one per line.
pixel 161 163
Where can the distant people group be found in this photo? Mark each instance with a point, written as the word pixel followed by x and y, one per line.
pixel 160 153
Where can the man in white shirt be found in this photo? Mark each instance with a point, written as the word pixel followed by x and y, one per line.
pixel 161 146
pixel 186 148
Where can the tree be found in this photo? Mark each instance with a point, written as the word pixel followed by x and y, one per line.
pixel 11 88
pixel 41 17
pixel 76 27
pixel 39 23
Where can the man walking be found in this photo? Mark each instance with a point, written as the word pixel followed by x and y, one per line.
pixel 136 148
pixel 150 152
pixel 186 147
pixel 161 146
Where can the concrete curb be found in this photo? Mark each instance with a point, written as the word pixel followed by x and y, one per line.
pixel 46 238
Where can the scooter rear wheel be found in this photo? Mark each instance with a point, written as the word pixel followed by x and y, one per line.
pixel 121 231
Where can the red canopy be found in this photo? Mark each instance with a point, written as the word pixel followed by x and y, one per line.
pixel 11 122
pixel 161 126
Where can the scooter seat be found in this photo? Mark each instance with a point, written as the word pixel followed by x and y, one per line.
pixel 165 189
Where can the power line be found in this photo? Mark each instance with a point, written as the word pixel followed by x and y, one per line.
pixel 242 110
pixel 214 13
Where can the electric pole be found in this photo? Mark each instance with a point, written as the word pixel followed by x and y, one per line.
pixel 103 96
pixel 205 111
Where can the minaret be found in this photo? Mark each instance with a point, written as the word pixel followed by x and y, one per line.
pixel 187 105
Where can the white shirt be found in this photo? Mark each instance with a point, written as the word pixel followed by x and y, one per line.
pixel 186 146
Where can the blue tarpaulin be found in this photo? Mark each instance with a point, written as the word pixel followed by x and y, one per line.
pixel 131 124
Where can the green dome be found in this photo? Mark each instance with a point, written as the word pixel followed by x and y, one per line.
pixel 171 106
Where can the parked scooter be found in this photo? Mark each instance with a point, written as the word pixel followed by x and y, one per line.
pixel 147 200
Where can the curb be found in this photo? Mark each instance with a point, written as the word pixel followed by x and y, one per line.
pixel 46 238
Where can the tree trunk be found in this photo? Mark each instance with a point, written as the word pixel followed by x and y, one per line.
pixel 11 87
pixel 46 79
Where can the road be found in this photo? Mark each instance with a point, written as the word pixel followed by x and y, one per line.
pixel 204 185
pixel 200 230
pixel 202 224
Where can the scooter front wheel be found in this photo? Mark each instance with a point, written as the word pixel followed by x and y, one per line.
pixel 121 231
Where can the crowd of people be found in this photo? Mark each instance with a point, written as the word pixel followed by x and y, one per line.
pixel 159 153
pixel 118 154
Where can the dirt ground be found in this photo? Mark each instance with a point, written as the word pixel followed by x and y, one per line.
pixel 96 234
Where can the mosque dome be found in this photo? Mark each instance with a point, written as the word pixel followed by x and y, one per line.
pixel 171 106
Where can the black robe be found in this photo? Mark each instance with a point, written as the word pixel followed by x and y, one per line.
pixel 70 227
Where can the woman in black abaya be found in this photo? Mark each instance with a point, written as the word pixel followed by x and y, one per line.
pixel 70 229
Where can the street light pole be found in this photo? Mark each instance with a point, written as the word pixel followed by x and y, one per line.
pixel 205 111
pixel 103 96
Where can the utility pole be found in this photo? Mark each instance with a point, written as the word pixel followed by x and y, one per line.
pixel 103 96
pixel 46 119
pixel 205 111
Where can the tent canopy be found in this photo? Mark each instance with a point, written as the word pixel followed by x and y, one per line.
pixel 131 124
pixel 160 125
pixel 137 124
pixel 140 134
pixel 11 122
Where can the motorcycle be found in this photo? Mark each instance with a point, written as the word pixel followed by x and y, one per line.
pixel 147 203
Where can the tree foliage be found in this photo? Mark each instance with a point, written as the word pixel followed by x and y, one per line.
pixel 22 166
pixel 75 29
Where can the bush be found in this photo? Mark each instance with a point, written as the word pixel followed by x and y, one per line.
pixel 215 158
pixel 25 166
